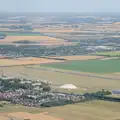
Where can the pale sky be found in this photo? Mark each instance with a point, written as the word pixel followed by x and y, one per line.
pixel 60 5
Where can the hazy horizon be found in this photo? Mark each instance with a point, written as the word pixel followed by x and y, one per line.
pixel 55 6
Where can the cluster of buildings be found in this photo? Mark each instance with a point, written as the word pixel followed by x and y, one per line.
pixel 99 48
pixel 39 99
pixel 34 94
pixel 40 93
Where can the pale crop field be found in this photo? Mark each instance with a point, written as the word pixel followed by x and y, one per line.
pixel 53 30
pixel 25 61
pixel 93 110
pixel 42 40
pixel 30 38
pixel 88 57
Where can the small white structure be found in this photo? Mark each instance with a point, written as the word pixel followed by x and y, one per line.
pixel 68 86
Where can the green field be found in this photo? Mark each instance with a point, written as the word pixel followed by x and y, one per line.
pixel 110 54
pixel 92 66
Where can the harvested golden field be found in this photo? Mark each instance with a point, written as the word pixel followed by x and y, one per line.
pixel 23 116
pixel 44 40
pixel 53 30
pixel 25 61
pixel 30 38
pixel 79 57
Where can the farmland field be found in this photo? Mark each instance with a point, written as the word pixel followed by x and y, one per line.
pixel 15 33
pixel 25 61
pixel 92 66
pixel 94 110
pixel 44 40
pixel 79 57
pixel 58 78
pixel 110 54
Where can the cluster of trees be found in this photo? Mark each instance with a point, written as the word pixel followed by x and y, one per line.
pixel 24 42
pixel 101 95
pixel 38 51
pixel 57 103
pixel 15 83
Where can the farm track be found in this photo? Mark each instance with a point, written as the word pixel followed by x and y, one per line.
pixel 73 73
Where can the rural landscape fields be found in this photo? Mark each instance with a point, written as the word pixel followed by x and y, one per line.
pixel 61 53
pixel 77 72
pixel 86 81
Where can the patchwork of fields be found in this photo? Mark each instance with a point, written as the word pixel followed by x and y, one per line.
pixel 92 74
pixel 89 78
pixel 84 80
pixel 89 73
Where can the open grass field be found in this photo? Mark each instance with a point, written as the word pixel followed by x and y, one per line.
pixel 92 66
pixel 94 110
pixel 111 54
